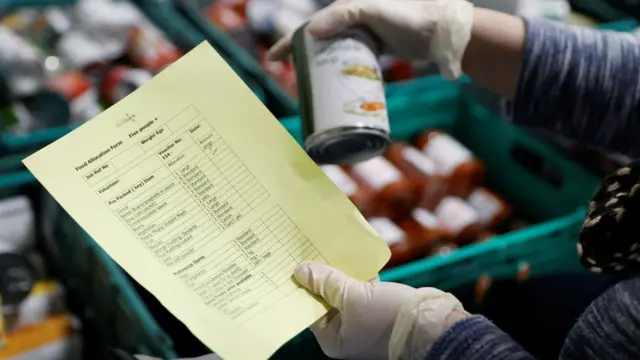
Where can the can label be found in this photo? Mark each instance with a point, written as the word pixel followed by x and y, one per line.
pixel 486 206
pixel 387 230
pixel 425 165
pixel 425 218
pixel 341 179
pixel 346 84
pixel 447 153
pixel 455 214
pixel 377 173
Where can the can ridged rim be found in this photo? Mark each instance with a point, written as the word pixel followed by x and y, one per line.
pixel 347 145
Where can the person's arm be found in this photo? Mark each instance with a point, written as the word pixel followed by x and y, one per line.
pixel 609 328
pixel 476 338
pixel 579 82
pixel 493 56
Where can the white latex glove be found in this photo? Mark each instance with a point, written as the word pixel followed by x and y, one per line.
pixel 204 357
pixel 430 30
pixel 376 320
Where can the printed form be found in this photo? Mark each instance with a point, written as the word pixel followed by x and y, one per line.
pixel 197 191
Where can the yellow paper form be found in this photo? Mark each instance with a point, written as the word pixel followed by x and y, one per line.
pixel 198 192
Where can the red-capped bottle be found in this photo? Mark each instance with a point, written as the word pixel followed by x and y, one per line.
pixel 453 160
pixel 459 218
pixel 363 198
pixel 399 242
pixel 395 193
pixel 418 168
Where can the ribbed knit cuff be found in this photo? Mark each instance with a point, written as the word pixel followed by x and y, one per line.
pixel 475 338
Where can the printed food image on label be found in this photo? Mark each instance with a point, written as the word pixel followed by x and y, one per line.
pixel 388 231
pixel 368 108
pixel 361 71
pixel 341 179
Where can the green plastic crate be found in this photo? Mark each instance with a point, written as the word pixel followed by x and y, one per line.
pixel 555 200
pixel 551 190
pixel 98 290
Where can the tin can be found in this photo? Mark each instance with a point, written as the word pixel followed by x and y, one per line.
pixel 342 99
pixel 122 81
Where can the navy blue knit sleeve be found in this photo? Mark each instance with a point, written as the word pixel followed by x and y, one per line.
pixel 476 338
pixel 582 83
pixel 609 328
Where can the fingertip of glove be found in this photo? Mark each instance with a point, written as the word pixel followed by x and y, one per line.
pixel 302 273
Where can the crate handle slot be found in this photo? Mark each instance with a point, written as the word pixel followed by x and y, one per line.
pixel 537 165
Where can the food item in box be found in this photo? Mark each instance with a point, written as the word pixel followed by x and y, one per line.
pixel 42 27
pixel 79 51
pixel 423 226
pixel 81 94
pixel 394 191
pixel 363 198
pixel 17 224
pixel 342 99
pixel 491 208
pixel 395 69
pixel 230 18
pixel 55 338
pixel 401 245
pixel 459 218
pixel 16 281
pixel 282 71
pixel 122 81
pixel 463 170
pixel 45 300
pixel 149 49
pixel 418 168
pixel 21 64
pixel 3 332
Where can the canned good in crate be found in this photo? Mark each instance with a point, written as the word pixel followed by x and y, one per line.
pixel 342 99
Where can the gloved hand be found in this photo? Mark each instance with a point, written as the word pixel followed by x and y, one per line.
pixel 431 30
pixel 377 320
pixel 203 357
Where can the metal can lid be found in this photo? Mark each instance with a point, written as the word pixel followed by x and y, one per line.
pixel 347 146
pixel 16 279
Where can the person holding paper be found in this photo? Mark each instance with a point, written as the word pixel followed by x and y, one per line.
pixel 572 77
pixel 579 82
